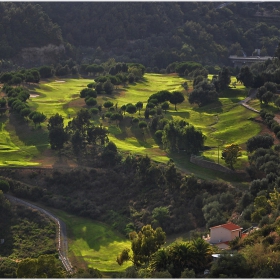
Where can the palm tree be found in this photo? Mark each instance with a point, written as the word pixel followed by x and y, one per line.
pixel 202 251
pixel 159 260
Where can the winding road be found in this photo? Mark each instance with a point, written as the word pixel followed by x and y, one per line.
pixel 62 246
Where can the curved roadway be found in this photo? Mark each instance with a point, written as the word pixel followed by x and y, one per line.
pixel 62 247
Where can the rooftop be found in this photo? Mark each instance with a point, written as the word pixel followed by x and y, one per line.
pixel 229 226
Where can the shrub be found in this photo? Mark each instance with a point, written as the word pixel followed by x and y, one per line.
pixel 4 186
pixel 91 101
pixel 158 134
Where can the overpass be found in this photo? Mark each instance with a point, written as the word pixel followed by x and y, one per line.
pixel 239 61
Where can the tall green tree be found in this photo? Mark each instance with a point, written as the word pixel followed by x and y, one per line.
pixel 38 118
pixel 176 97
pixel 224 78
pixel 231 153
pixel 57 134
pixel 143 244
pixel 139 106
pixel 245 76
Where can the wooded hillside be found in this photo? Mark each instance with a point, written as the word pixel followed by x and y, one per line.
pixel 154 34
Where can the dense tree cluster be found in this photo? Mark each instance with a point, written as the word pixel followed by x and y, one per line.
pixel 179 135
pixel 204 93
pixel 155 34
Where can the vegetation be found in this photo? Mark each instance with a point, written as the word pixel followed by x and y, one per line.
pixel 116 115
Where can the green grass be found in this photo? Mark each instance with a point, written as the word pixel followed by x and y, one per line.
pixel 93 244
pixel 223 122
pixel 56 96
pixel 15 150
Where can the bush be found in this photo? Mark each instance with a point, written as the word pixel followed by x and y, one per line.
pixel 158 135
pixel 94 111
pixel 91 101
pixel 4 186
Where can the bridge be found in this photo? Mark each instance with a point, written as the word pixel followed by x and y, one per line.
pixel 239 61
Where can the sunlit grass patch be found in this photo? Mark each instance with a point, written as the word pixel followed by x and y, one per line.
pixel 94 244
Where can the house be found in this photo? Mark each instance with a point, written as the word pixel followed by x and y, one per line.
pixel 221 235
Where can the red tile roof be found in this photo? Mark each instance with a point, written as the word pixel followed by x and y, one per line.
pixel 229 226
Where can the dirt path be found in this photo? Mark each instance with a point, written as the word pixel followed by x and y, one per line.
pixel 61 232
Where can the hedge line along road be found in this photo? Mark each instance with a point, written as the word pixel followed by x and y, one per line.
pixel 62 246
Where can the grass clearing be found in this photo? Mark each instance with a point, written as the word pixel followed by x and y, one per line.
pixel 93 244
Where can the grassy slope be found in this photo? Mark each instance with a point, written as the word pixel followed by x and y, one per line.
pixel 93 244
pixel 223 123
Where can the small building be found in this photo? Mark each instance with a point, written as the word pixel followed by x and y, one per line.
pixel 221 235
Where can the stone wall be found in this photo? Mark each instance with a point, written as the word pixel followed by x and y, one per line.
pixel 210 165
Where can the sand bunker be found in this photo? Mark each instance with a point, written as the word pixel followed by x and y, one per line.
pixel 33 95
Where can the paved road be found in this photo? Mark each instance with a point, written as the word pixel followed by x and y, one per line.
pixel 252 94
pixel 62 246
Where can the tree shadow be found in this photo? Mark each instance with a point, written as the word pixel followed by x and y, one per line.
pixel 183 114
pixel 29 135
pixel 215 107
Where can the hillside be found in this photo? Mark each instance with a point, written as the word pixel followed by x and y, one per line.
pixel 126 121
pixel 155 34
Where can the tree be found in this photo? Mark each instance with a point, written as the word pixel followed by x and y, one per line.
pixel 161 214
pixel 88 92
pixel 46 71
pixel 231 153
pixel 123 109
pixel 259 141
pixel 224 78
pixel 143 244
pixel 108 104
pixel 131 109
pixel 165 106
pixel 260 93
pixel 139 106
pixel 27 268
pixel 4 186
pixel 3 102
pixel 245 76
pixel 91 101
pixel 38 118
pixel 57 134
pixel 159 260
pixel 25 112
pixel 116 117
pixel 203 251
pixel 203 94
pixel 142 125
pixel 176 98
pixel 277 102
pixel 45 266
pixel 108 87
pixel 230 266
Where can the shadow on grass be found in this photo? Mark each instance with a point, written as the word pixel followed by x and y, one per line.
pixel 215 107
pixel 182 161
pixel 28 134
pixel 3 120
pixel 94 234
pixel 269 108
pixel 233 93
pixel 183 114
